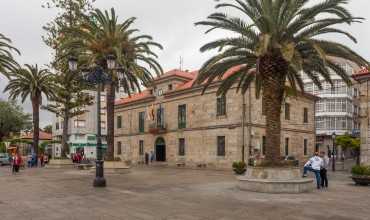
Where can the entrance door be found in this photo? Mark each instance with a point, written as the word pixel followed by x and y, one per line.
pixel 160 150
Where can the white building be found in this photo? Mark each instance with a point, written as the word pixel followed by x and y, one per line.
pixel 338 108
pixel 82 130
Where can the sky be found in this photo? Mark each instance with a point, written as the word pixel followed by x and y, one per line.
pixel 169 22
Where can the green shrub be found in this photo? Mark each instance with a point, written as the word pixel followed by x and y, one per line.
pixel 239 167
pixel 361 170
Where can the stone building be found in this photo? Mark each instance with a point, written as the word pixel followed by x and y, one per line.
pixel 363 79
pixel 183 127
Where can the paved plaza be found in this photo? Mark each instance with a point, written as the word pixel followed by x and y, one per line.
pixel 168 194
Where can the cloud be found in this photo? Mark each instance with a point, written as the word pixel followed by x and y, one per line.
pixel 170 22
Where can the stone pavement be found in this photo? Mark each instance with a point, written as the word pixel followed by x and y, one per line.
pixel 168 194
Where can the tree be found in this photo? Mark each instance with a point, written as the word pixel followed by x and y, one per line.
pixel 69 101
pixel 69 98
pixel 48 129
pixel 102 35
pixel 348 142
pixel 12 119
pixel 31 82
pixel 271 45
pixel 7 61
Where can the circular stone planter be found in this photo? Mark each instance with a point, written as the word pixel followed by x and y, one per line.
pixel 275 180
pixel 361 180
pixel 115 167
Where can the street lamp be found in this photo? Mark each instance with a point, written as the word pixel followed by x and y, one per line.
pixel 111 62
pixel 333 136
pixel 72 64
pixel 96 76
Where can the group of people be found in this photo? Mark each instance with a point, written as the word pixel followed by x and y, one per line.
pixel 33 160
pixel 318 164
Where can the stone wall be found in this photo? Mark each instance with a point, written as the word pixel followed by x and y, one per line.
pixel 203 126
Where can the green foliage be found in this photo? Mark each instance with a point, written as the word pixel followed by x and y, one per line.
pixel 48 129
pixel 348 142
pixel 288 33
pixel 239 167
pixel 100 35
pixel 12 118
pixel 70 14
pixel 361 170
pixel 70 99
pixel 32 82
pixel 2 147
pixel 7 61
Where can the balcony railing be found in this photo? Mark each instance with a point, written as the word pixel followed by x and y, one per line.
pixel 158 128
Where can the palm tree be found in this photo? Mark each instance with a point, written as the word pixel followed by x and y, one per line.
pixel 101 35
pixel 271 46
pixel 7 62
pixel 31 82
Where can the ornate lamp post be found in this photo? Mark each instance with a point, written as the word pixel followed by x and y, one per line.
pixel 96 76
pixel 333 136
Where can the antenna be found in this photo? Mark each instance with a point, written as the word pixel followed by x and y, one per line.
pixel 181 62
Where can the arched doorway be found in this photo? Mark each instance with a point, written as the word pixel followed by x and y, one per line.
pixel 160 149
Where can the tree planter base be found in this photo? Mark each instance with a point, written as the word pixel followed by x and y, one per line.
pixel 275 180
pixel 114 167
pixel 60 164
pixel 361 180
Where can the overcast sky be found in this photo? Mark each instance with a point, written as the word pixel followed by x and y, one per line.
pixel 170 22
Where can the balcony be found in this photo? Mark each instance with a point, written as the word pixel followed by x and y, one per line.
pixel 157 128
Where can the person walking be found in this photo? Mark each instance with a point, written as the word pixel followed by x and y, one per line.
pixel 324 169
pixel 13 163
pixel 151 156
pixel 146 158
pixel 17 162
pixel 314 165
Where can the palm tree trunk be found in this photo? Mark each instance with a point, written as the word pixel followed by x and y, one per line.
pixel 110 97
pixel 272 70
pixel 36 120
pixel 65 146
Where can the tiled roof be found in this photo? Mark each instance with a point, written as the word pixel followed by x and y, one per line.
pixel 134 97
pixel 364 71
pixel 191 76
pixel 177 72
pixel 42 136
pixel 145 94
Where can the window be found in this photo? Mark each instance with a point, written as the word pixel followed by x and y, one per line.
pixel 305 147
pixel 57 126
pixel 221 105
pixel 119 148
pixel 79 123
pixel 159 92
pixel 221 146
pixel 263 145
pixel 286 146
pixel 160 117
pixel 170 87
pixel 141 121
pixel 103 125
pixel 141 147
pixel 305 115
pixel 119 121
pixel 181 147
pixel 287 111
pixel 182 116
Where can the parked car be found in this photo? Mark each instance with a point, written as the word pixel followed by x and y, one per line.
pixel 4 159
